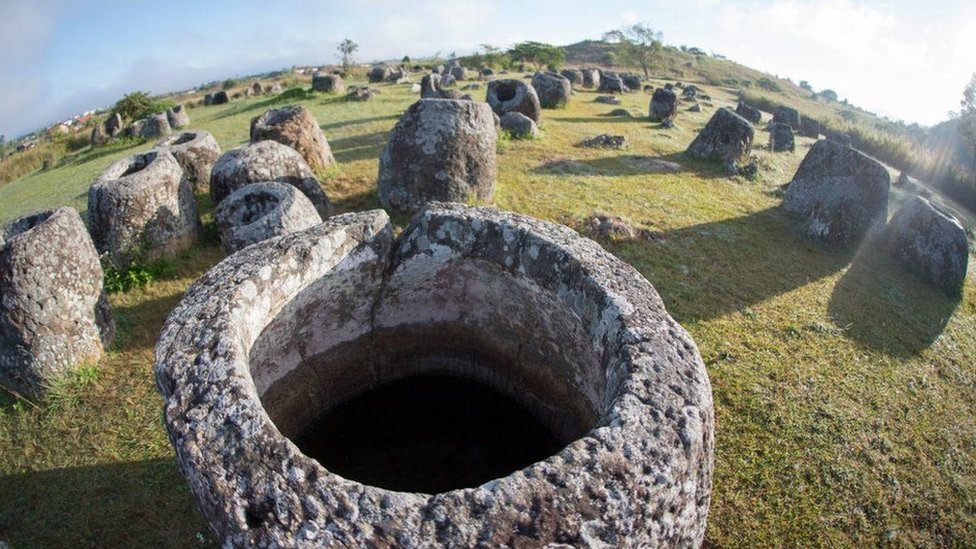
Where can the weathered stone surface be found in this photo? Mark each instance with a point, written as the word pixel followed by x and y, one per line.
pixel 631 81
pixel 605 141
pixel 448 80
pixel 113 125
pixel 142 208
pixel 509 95
pixel 259 211
pixel 609 227
pixel 593 353
pixel 620 113
pixel 429 88
pixel 841 137
pixel 750 113
pixel 695 108
pixel 196 151
pixel 459 73
pixel 294 126
pixel 788 116
pixel 690 92
pixel 518 125
pixel 208 99
pixel 553 89
pixel 177 117
pixel 220 98
pixel 839 193
pixel 607 100
pixel 591 78
pixel 610 82
pixel 155 126
pixel 362 93
pixel 781 137
pixel 726 137
pixel 664 105
pixel 575 77
pixel 255 89
pixel 266 161
pixel 809 127
pixel 53 313
pixel 441 149
pixel 379 74
pixel 98 136
pixel 328 83
pixel 486 73
pixel 930 243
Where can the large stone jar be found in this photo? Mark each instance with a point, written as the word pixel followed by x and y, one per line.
pixel 266 346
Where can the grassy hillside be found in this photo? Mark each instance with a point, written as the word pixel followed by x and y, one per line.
pixel 845 389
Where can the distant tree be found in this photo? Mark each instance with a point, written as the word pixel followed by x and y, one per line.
pixel 538 54
pixel 3 141
pixel 829 95
pixel 806 85
pixel 494 56
pixel 967 116
pixel 638 45
pixel 346 50
pixel 134 106
pixel 405 60
pixel 228 84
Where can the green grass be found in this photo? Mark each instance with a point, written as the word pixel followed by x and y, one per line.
pixel 845 390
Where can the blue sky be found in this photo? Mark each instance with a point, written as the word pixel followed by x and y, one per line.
pixel 905 59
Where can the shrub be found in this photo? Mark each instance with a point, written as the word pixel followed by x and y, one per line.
pixel 137 274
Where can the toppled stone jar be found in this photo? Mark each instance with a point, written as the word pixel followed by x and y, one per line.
pixel 271 360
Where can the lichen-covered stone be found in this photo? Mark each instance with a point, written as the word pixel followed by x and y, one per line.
pixel 605 141
pixel 328 83
pixel 553 89
pixel 113 125
pixel 266 161
pixel 839 193
pixel 294 126
pixel 259 211
pixel 441 149
pixel 518 125
pixel 142 208
pixel 53 313
pixel 379 74
pixel 781 137
pixel 750 113
pixel 591 78
pixel 219 98
pixel 607 100
pixel 610 82
pixel 575 77
pixel 726 137
pixel 177 117
pixel 788 116
pixel 155 126
pixel 809 127
pixel 631 81
pixel 930 243
pixel 664 105
pixel 196 151
pixel 511 95
pixel 591 345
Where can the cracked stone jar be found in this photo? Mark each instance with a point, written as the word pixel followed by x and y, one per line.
pixel 484 379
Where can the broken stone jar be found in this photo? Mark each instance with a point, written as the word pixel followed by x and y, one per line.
pixel 484 379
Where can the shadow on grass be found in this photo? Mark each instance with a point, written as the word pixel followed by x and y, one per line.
pixel 713 269
pixel 135 504
pixel 358 147
pixel 367 200
pixel 358 121
pixel 880 305
pixel 630 165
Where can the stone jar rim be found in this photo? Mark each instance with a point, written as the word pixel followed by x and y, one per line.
pixel 647 461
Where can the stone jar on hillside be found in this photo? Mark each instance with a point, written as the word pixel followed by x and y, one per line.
pixel 328 83
pixel 266 161
pixel 440 150
pixel 509 95
pixel 142 208
pixel 196 151
pixel 266 347
pixel 259 211
pixel 53 313
pixel 296 127
pixel 726 138
pixel 930 243
pixel 838 194
pixel 664 105
pixel 553 89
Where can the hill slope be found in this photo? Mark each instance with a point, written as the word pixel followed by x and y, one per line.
pixel 845 389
